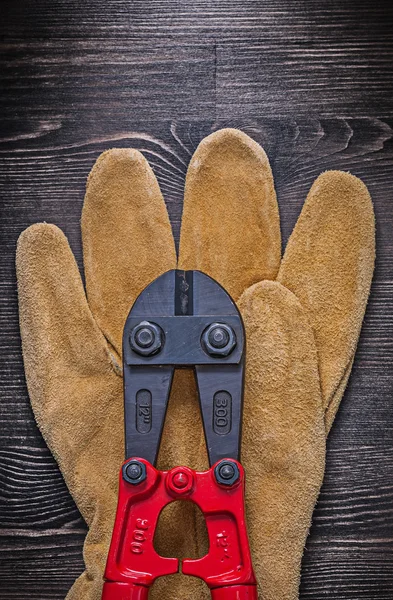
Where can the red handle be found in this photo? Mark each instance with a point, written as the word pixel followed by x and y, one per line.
pixel 133 564
pixel 124 591
pixel 235 592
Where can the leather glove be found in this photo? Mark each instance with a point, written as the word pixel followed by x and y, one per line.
pixel 130 207
pixel 72 341
pixel 302 316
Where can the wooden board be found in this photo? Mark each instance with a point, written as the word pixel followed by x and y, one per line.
pixel 314 86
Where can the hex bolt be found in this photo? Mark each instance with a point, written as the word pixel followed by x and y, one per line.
pixel 218 339
pixel 227 472
pixel 180 480
pixel 134 472
pixel 146 338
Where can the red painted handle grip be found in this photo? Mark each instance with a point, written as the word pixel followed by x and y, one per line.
pixel 235 592
pixel 133 564
pixel 124 591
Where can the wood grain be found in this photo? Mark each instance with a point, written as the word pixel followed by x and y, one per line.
pixel 312 83
pixel 195 60
pixel 44 176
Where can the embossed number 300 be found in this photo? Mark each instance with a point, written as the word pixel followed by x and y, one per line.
pixel 221 412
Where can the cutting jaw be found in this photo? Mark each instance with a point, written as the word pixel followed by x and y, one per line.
pixel 183 319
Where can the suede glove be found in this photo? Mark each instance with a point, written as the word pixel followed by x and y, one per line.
pixel 302 316
pixel 72 343
pixel 236 239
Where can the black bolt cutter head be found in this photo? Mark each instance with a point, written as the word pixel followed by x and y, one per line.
pixel 183 319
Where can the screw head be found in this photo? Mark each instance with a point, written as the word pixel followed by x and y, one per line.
pixel 134 472
pixel 227 472
pixel 218 339
pixel 146 338
pixel 180 481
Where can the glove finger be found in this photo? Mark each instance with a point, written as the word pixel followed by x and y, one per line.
pixel 334 404
pixel 127 237
pixel 283 446
pixel 230 226
pixel 127 243
pixel 230 230
pixel 328 264
pixel 67 362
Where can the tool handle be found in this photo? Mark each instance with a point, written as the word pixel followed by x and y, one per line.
pixel 235 592
pixel 133 564
pixel 124 591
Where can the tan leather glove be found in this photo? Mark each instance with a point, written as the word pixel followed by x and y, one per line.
pixel 283 371
pixel 72 343
pixel 72 356
pixel 302 315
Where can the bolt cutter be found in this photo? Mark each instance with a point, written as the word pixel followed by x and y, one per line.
pixel 182 319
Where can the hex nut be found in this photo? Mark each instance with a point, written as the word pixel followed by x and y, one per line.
pixel 146 338
pixel 226 472
pixel 218 339
pixel 134 472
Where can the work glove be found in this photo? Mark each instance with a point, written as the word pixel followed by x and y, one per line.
pixel 72 355
pixel 302 315
pixel 72 342
pixel 126 207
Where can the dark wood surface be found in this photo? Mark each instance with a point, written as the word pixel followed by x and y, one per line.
pixel 313 83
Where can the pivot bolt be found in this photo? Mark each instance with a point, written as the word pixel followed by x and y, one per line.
pixel 180 481
pixel 134 472
pixel 227 472
pixel 146 338
pixel 218 339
